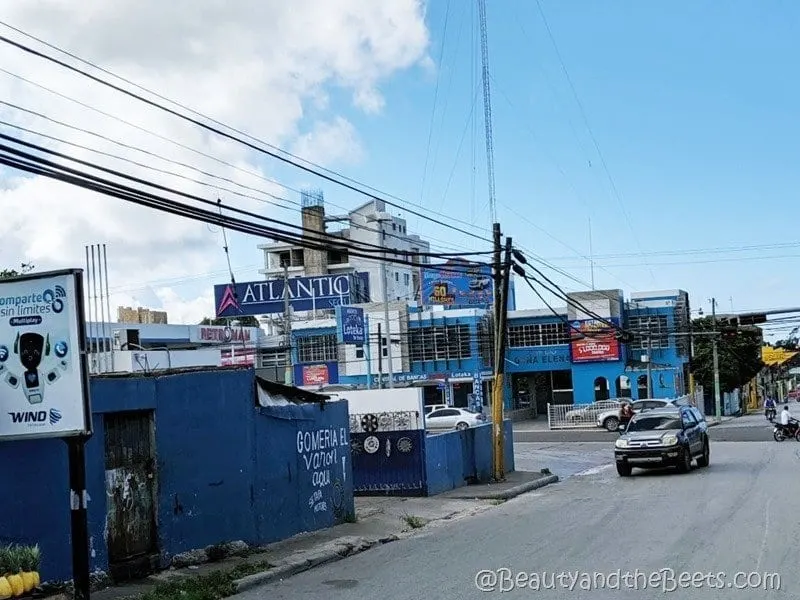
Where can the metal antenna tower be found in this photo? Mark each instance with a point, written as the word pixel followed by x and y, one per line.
pixel 487 108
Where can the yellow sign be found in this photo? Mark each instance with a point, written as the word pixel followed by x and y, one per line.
pixel 775 356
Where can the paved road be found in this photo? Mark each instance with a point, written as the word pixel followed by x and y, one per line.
pixel 750 428
pixel 734 516
pixel 564 460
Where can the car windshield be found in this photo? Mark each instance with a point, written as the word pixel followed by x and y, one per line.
pixel 655 423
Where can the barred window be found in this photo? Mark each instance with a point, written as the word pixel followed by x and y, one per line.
pixel 317 348
pixel 656 326
pixel 271 358
pixel 440 343
pixel 540 334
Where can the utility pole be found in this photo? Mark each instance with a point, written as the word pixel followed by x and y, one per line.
pixel 288 376
pixel 380 357
pixel 649 361
pixel 717 398
pixel 499 366
pixel 386 309
pixel 691 358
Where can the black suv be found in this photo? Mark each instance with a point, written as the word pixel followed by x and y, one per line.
pixel 663 437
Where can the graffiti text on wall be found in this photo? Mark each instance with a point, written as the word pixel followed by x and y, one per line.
pixel 321 456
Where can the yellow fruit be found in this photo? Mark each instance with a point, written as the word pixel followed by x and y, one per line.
pixel 27 581
pixel 17 585
pixel 5 589
pixel 36 579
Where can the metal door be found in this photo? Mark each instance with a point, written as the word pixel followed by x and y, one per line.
pixel 130 492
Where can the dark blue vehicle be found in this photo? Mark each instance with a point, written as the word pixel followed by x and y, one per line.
pixel 674 436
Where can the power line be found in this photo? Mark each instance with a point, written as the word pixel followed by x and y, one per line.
pixel 172 173
pixel 36 165
pixel 591 134
pixel 268 150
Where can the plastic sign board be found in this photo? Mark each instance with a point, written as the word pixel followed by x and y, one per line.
pixel 594 341
pixel 321 292
pixel 350 327
pixel 459 284
pixel 44 375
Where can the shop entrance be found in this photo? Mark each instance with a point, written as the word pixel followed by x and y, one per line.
pixel 541 388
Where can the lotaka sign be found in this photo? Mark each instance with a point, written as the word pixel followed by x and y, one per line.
pixel 44 378
pixel 305 293
pixel 350 325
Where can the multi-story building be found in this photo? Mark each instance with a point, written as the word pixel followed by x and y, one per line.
pixel 369 226
pixel 146 316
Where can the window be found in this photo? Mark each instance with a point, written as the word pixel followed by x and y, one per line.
pixel 440 343
pixel 317 348
pixel 542 334
pixel 654 325
pixel 623 386
pixel 601 389
pixel 406 278
pixel 650 423
pixel 272 359
pixel 359 351
pixel 396 276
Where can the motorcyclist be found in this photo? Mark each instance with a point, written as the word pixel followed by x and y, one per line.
pixel 769 408
pixel 786 420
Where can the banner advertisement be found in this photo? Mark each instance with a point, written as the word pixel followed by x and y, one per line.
pixel 458 285
pixel 594 341
pixel 316 374
pixel 44 381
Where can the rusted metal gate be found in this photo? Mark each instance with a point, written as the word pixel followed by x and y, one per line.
pixel 130 493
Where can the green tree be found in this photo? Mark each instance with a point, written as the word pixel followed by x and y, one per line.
pixel 9 273
pixel 245 321
pixel 739 352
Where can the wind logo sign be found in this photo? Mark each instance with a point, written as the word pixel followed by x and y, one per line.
pixel 36 417
pixel 228 300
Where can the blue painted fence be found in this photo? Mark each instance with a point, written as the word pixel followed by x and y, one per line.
pixel 456 458
pixel 226 469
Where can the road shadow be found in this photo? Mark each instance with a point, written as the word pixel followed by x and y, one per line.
pixel 719 467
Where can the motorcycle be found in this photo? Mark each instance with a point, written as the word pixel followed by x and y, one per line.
pixel 769 413
pixel 784 432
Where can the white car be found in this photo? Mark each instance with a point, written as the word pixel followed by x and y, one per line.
pixel 454 418
pixel 609 419
pixel 429 408
pixel 589 412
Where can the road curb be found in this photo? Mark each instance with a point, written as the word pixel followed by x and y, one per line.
pixel 336 550
pixel 522 488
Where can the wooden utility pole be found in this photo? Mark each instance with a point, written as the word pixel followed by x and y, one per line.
pixel 501 312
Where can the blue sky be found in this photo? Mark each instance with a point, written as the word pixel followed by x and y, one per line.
pixel 692 106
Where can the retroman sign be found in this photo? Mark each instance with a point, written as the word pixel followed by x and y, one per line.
pixel 44 376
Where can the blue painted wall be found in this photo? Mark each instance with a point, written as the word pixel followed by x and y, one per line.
pixel 454 458
pixel 227 470
pixel 396 468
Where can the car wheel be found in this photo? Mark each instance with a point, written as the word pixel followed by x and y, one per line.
pixel 686 461
pixel 706 457
pixel 624 470
pixel 611 423
pixel 462 426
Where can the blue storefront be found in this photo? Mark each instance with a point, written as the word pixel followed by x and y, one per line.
pixel 449 354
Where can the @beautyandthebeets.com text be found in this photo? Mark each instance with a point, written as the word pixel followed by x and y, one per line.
pixel 663 580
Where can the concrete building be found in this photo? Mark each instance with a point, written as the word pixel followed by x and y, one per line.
pixel 370 225
pixel 126 314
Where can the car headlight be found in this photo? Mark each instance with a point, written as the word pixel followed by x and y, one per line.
pixel 669 440
pixel 620 443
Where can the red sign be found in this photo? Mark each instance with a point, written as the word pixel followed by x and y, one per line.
pixel 315 375
pixel 224 334
pixel 595 342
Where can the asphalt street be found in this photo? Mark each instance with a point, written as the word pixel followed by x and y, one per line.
pixel 610 537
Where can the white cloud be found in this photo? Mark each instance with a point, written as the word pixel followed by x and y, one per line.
pixel 255 65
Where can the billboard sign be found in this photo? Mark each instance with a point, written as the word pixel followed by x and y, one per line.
pixel 305 293
pixel 224 335
pixel 316 374
pixel 44 375
pixel 594 341
pixel 350 327
pixel 458 284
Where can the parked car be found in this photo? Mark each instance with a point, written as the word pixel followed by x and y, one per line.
pixel 610 418
pixel 429 408
pixel 589 412
pixel 663 437
pixel 454 418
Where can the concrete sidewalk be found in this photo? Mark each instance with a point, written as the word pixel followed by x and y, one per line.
pixel 379 520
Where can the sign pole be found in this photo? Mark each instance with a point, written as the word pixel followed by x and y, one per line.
pixel 79 521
